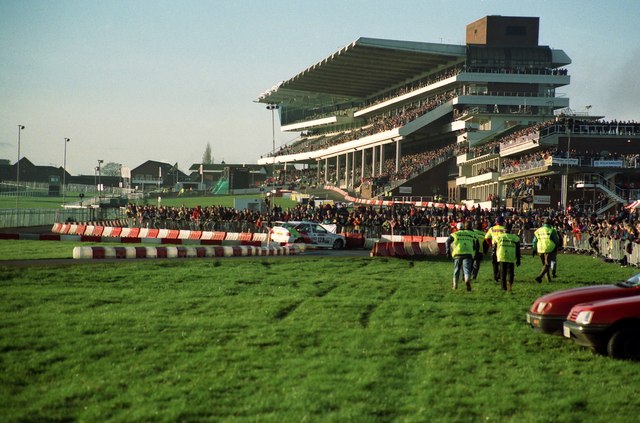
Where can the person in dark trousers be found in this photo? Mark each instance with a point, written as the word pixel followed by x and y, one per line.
pixel 507 247
pixel 545 243
pixel 462 246
pixel 482 248
pixel 496 229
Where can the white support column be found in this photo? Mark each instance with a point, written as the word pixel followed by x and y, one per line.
pixel 337 170
pixel 381 159
pixel 317 169
pixel 362 165
pixel 398 153
pixel 326 169
pixel 373 161
pixel 347 169
pixel 353 169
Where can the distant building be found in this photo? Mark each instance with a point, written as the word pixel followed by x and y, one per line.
pixel 236 176
pixel 152 175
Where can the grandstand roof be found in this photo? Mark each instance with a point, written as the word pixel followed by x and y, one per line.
pixel 365 67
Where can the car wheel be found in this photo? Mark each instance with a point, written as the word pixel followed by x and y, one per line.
pixel 625 344
pixel 338 244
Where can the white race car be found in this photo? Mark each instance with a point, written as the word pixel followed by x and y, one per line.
pixel 310 233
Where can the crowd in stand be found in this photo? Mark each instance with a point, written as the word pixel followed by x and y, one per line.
pixel 526 186
pixel 376 125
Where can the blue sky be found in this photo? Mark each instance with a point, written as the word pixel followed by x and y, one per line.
pixel 129 81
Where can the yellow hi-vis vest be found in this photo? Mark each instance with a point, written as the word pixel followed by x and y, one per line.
pixel 544 243
pixel 506 246
pixel 463 243
pixel 494 231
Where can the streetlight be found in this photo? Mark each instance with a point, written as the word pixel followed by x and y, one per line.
pixel 20 128
pixel 99 183
pixel 64 172
pixel 273 108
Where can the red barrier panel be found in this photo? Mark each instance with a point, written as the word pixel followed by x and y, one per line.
pixel 133 232
pixel 354 240
pixel 98 252
pixel 121 252
pixel 173 241
pixel 219 236
pixel 173 234
pixel 116 231
pixel 80 229
pixel 210 242
pixel 254 243
pixel 65 228
pixel 195 235
pixel 244 236
pixel 131 240
pixel 97 231
pixel 153 233
pixel 46 237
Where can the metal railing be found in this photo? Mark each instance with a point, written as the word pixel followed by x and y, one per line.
pixel 12 218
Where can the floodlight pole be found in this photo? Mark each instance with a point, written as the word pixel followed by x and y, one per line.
pixel 64 173
pixel 273 108
pixel 20 128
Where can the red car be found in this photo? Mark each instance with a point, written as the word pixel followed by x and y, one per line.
pixel 548 313
pixel 609 326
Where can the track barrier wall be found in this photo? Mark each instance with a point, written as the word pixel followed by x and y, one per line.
pixel 610 249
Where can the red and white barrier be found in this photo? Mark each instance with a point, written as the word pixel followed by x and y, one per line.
pixel 94 252
pixel 405 249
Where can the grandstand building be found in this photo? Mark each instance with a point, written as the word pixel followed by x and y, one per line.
pixel 475 123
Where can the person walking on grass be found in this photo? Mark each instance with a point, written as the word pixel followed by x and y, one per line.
pixel 482 249
pixel 507 247
pixel 462 246
pixel 545 243
pixel 496 229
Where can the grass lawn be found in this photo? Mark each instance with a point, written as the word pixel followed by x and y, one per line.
pixel 295 339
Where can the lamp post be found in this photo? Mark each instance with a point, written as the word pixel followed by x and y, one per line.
pixel 99 183
pixel 64 172
pixel 20 128
pixel 273 108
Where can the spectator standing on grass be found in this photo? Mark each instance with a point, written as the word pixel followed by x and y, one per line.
pixel 462 246
pixel 507 247
pixel 482 248
pixel 545 243
pixel 493 231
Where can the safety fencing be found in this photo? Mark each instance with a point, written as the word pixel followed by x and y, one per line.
pixel 622 251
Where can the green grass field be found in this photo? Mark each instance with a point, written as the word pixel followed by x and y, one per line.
pixel 294 339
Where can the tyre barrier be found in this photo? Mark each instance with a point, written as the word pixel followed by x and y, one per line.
pixel 405 249
pixel 94 252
